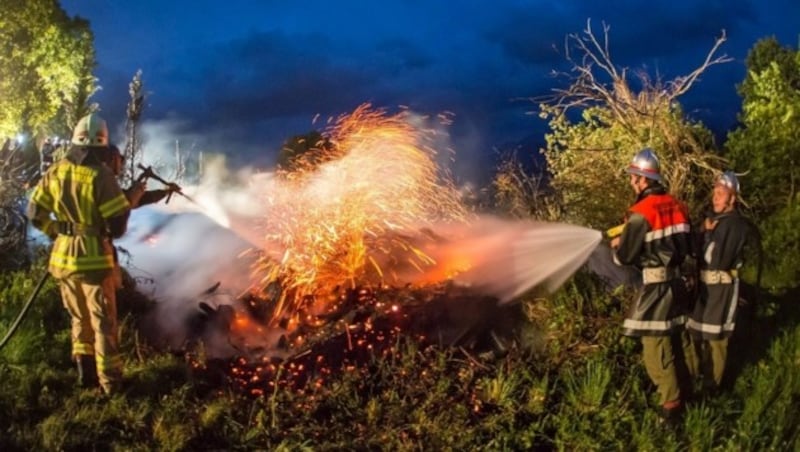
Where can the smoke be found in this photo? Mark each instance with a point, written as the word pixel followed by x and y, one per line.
pixel 179 250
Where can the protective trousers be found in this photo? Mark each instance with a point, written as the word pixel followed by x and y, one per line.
pixel 93 311
pixel 659 361
pixel 718 351
pixel 709 360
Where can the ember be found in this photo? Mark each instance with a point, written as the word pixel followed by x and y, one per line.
pixel 362 246
pixel 360 329
pixel 349 220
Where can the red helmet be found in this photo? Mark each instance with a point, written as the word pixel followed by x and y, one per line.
pixel 645 163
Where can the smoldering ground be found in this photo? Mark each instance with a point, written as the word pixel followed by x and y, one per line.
pixel 177 252
pixel 383 204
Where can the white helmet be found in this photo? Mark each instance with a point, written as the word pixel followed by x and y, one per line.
pixel 645 163
pixel 91 131
pixel 729 180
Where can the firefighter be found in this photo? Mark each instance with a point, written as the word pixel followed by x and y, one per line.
pixel 80 205
pixel 656 240
pixel 713 319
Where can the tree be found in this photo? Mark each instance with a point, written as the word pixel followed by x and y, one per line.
pixel 765 149
pixel 602 118
pixel 765 53
pixel 45 68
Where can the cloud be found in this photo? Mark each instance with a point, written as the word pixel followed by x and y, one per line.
pixel 535 36
pixel 256 74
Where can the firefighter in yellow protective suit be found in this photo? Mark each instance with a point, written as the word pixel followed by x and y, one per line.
pixel 79 203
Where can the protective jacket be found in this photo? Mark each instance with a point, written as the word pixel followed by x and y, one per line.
pixel 714 313
pixel 89 209
pixel 656 240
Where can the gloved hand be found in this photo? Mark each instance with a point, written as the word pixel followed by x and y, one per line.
pixel 135 193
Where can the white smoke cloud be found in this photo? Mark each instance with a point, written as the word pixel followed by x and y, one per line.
pixel 180 249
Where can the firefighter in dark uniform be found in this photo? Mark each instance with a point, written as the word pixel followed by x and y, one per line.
pixel 656 240
pixel 713 319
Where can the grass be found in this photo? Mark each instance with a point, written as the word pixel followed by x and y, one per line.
pixel 584 390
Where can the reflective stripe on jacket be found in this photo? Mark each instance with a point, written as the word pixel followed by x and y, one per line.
pixel 656 235
pixel 83 195
pixel 714 315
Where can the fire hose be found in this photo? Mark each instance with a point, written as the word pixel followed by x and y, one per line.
pixel 25 309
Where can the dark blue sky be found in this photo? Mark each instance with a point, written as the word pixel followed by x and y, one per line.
pixel 241 76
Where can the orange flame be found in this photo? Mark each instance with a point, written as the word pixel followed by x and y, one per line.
pixel 349 219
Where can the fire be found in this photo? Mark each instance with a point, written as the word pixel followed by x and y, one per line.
pixel 354 218
pixel 353 233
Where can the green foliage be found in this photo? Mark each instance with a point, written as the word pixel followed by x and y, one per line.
pixel 45 319
pixel 765 148
pixel 781 243
pixel 602 119
pixel 45 69
pixel 586 390
pixel 769 391
pixel 587 158
pixel 762 56
pixel 518 194
pixel 703 426
pixel 589 393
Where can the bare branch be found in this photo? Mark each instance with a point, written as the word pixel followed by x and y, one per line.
pixel 682 84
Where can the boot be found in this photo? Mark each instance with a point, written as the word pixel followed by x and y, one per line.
pixel 671 412
pixel 87 371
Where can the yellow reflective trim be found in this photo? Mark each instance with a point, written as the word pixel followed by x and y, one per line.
pixel 77 173
pixel 82 348
pixel 88 259
pixel 113 362
pixel 114 206
pixel 42 198
pixel 85 204
pixel 63 261
pixel 60 247
pixel 54 187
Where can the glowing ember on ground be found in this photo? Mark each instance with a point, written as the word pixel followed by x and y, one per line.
pixel 361 329
pixel 361 236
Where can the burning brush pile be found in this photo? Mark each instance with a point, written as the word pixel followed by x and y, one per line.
pixel 365 245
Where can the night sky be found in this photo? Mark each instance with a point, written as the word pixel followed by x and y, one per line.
pixel 242 76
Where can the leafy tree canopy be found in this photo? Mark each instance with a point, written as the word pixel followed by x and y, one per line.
pixel 765 146
pixel 46 60
pixel 764 149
